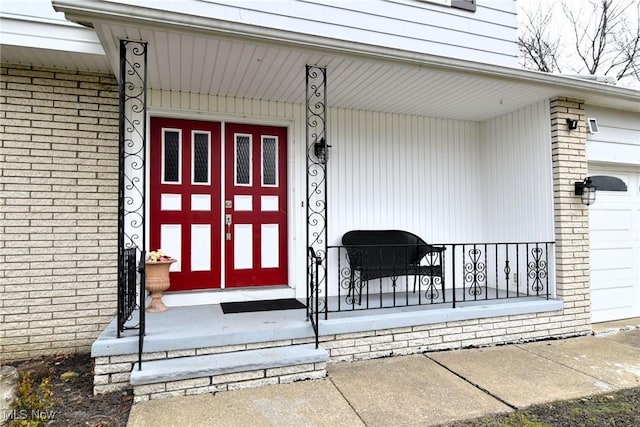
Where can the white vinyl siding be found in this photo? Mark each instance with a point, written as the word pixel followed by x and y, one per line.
pixel 413 173
pixel 618 139
pixel 487 35
pixel 517 176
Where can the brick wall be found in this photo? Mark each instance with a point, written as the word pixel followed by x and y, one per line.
pixel 58 178
pixel 450 336
pixel 569 155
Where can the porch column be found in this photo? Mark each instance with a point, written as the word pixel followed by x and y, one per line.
pixel 317 155
pixel 569 155
pixel 316 163
pixel 131 177
pixel 133 131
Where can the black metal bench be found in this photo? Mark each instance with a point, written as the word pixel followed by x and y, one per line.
pixel 375 254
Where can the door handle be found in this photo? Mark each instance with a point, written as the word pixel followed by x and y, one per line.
pixel 227 221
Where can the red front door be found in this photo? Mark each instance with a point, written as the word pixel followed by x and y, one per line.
pixel 208 214
pixel 255 205
pixel 185 200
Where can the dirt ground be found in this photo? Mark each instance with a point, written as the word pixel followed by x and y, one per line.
pixel 75 403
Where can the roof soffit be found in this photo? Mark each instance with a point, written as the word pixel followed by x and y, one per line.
pixel 359 76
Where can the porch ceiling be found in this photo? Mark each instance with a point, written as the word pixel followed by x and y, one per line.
pixel 251 68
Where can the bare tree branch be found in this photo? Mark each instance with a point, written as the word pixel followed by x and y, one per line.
pixel 538 48
pixel 605 37
pixel 627 43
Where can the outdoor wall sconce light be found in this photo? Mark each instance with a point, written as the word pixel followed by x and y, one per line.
pixel 321 150
pixel 572 124
pixel 586 190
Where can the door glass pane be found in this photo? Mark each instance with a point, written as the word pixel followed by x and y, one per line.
pixel 200 158
pixel 243 159
pixel 269 160
pixel 171 151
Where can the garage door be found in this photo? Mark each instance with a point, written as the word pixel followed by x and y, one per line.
pixel 615 249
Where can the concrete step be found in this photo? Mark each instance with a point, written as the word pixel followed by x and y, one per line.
pixel 213 365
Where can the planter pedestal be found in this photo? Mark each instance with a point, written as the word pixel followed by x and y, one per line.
pixel 156 282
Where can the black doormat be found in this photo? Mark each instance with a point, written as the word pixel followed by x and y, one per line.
pixel 262 305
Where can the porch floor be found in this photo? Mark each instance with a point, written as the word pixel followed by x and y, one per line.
pixel 202 326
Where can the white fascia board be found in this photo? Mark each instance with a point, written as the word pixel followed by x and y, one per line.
pixel 49 35
pixel 109 12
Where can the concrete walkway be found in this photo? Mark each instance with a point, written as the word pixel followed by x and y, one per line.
pixel 425 389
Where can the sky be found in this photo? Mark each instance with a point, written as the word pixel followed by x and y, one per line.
pixel 563 28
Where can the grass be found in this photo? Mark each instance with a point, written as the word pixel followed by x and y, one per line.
pixel 621 408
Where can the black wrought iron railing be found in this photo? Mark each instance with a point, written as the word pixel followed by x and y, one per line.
pixel 131 295
pixel 127 287
pixel 313 304
pixel 368 277
pixel 141 305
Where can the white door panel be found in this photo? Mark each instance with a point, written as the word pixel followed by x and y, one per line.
pixel 614 222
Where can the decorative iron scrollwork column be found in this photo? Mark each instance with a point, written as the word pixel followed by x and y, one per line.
pixel 131 178
pixel 537 268
pixel 316 124
pixel 475 271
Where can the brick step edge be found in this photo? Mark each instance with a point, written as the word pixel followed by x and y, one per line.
pixel 227 371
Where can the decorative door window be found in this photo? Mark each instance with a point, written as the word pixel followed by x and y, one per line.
pixel 171 156
pixel 200 158
pixel 269 161
pixel 243 160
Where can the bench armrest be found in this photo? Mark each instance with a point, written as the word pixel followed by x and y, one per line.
pixel 437 249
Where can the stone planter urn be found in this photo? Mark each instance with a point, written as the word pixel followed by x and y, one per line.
pixel 156 282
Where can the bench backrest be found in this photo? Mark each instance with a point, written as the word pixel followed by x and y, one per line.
pixel 391 250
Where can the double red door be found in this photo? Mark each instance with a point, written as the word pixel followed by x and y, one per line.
pixel 219 208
